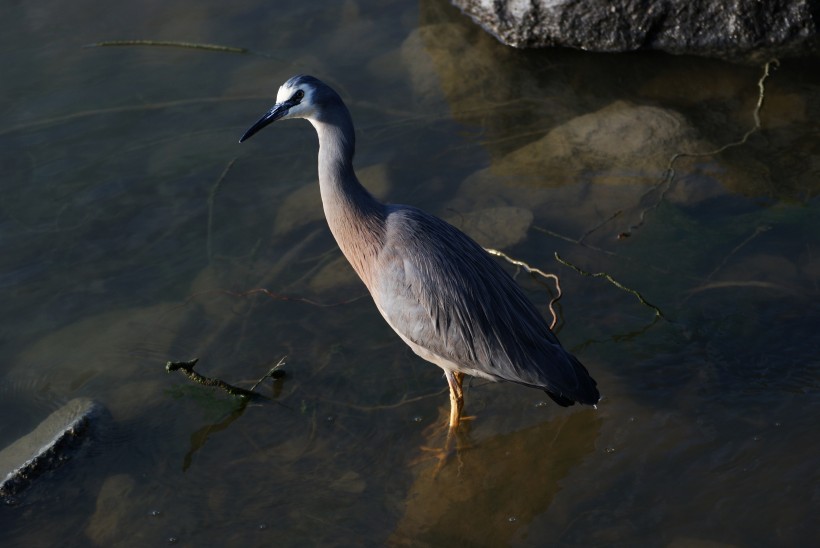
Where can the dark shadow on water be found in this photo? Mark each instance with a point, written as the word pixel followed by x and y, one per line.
pixel 212 401
pixel 200 437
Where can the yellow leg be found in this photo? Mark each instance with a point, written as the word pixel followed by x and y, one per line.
pixel 455 437
pixel 454 379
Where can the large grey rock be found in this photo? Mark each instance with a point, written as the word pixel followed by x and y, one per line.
pixel 48 445
pixel 737 29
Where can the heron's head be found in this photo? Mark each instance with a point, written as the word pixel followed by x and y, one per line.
pixel 299 97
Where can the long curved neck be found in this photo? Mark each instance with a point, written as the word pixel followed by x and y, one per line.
pixel 355 217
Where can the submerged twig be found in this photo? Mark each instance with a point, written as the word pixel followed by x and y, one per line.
pixel 579 241
pixel 187 367
pixel 669 174
pixel 119 110
pixel 741 283
pixel 168 43
pixel 599 225
pixel 280 297
pixel 611 280
pixel 182 44
pixel 274 373
pixel 758 230
pixel 403 401
pixel 211 198
pixel 533 270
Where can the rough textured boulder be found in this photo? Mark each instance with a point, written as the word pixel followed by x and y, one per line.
pixel 735 29
pixel 48 445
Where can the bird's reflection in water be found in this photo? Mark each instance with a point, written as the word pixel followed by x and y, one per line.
pixel 507 480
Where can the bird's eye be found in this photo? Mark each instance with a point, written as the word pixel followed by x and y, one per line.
pixel 298 95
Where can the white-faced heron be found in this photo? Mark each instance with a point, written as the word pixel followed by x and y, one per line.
pixel 438 289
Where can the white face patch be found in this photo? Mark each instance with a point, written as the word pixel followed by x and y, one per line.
pixel 285 93
pixel 305 107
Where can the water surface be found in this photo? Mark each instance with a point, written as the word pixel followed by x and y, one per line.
pixel 136 230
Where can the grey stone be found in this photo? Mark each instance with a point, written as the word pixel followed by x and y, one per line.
pixel 750 30
pixel 48 445
pixel 496 227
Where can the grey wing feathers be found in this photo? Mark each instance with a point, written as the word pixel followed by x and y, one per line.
pixel 442 291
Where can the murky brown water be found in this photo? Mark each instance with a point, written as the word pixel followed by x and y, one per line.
pixel 134 229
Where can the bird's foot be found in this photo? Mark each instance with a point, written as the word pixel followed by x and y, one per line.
pixel 440 455
pixel 455 441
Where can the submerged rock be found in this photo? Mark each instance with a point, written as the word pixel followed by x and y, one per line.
pixel 48 445
pixel 497 227
pixel 114 511
pixel 335 275
pixel 620 143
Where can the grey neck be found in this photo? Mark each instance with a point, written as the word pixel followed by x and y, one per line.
pixel 355 217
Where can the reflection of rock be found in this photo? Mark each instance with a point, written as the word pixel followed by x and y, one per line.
pixel 621 143
pixel 502 483
pixel 114 511
pixel 304 205
pixel 497 227
pixel 47 446
pixel 694 83
pixel 438 55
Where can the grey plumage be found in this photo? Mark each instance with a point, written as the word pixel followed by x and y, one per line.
pixel 438 289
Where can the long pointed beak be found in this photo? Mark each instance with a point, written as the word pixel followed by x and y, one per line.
pixel 270 117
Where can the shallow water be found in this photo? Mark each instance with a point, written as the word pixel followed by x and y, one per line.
pixel 135 230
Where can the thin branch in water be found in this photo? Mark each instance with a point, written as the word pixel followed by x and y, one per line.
pixel 180 44
pixel 577 241
pixel 268 293
pixel 403 401
pixel 279 297
pixel 599 225
pixel 665 183
pixel 219 48
pixel 611 280
pixel 532 270
pixel 167 44
pixel 758 230
pixel 119 110
pixel 742 283
pixel 211 198
pixel 187 368
pixel 274 373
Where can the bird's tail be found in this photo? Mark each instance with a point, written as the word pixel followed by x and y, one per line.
pixel 586 392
